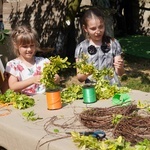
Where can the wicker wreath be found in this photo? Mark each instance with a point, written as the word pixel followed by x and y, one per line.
pixel 101 118
pixel 133 128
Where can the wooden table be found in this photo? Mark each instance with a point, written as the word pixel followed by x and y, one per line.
pixel 16 133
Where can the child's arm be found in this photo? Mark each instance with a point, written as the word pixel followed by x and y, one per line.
pixel 17 86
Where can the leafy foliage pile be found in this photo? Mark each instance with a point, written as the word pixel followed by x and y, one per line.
pixel 91 143
pixel 71 93
pixel 102 86
pixel 51 69
pixel 19 101
pixel 30 116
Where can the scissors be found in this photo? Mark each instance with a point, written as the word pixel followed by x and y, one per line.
pixel 97 134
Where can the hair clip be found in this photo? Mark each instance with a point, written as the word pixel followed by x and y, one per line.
pixel 92 50
pixel 105 48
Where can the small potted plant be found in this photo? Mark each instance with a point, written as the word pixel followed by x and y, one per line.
pixel 48 79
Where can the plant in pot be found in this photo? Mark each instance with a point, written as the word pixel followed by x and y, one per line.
pixel 48 79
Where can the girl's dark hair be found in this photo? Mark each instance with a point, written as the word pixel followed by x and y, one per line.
pixel 88 14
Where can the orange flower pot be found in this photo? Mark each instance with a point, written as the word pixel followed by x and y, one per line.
pixel 53 100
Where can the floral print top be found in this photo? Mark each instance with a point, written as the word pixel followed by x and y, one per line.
pixel 18 69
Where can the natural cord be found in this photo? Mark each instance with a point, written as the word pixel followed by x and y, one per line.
pixel 6 110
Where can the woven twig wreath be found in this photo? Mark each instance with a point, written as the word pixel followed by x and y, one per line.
pixel 101 118
pixel 133 128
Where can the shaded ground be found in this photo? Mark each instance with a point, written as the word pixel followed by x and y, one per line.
pixel 137 65
pixel 136 45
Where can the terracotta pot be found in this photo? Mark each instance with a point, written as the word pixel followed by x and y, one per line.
pixel 53 100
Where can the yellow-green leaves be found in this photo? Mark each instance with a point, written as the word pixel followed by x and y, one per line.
pixel 91 143
pixel 51 69
pixel 72 93
pixel 83 66
pixel 30 116
pixel 19 101
pixel 116 118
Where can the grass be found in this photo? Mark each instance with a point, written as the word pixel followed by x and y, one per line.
pixel 137 73
pixel 137 62
pixel 137 45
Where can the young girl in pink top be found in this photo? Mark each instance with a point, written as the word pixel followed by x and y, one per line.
pixel 25 70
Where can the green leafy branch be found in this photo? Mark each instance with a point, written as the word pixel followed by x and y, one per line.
pixel 72 93
pixel 83 66
pixel 19 101
pixel 91 143
pixel 51 69
pixel 30 116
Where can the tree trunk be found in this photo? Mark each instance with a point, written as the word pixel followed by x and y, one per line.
pixel 65 45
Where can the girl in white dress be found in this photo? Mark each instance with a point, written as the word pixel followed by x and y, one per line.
pixel 25 70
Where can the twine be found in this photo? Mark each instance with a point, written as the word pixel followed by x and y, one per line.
pixel 7 110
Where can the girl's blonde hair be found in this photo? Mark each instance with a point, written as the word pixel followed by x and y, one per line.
pixel 23 35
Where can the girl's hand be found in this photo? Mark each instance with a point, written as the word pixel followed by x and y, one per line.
pixel 57 78
pixel 36 79
pixel 118 62
pixel 119 65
